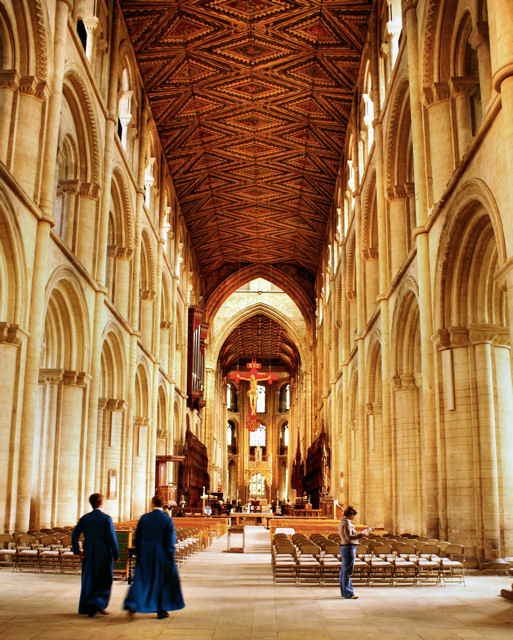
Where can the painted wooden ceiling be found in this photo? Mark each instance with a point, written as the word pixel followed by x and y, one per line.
pixel 263 339
pixel 251 99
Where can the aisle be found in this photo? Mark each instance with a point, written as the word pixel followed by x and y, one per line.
pixel 231 596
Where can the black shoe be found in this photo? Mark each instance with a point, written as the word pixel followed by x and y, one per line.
pixel 162 614
pixel 92 612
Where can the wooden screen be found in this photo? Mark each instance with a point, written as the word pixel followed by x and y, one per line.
pixel 196 336
pixel 194 475
pixel 317 469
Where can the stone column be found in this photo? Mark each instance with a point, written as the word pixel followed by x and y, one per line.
pixel 91 24
pixel 40 273
pixel 51 379
pixel 9 84
pixel 479 40
pixel 461 88
pixel 383 252
pixel 101 268
pixel 134 321
pixel 440 134
pixel 358 466
pixel 481 338
pixel 500 16
pixel 428 427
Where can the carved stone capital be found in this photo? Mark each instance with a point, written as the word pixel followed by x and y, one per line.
pixel 166 324
pixel 75 378
pixel 11 333
pixel 441 339
pixel 141 421
pixel 462 85
pixel 479 35
pixel 397 384
pixel 408 381
pixel 90 190
pixel 31 86
pixel 91 24
pixel 370 253
pixel 438 92
pixel 52 376
pixel 69 186
pixel 124 253
pixel 488 334
pixel 102 404
pixel 458 336
pixel 9 79
pixel 147 294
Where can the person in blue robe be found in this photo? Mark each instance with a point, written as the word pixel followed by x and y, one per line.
pixel 156 584
pixel 100 550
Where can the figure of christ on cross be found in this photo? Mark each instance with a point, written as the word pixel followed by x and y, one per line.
pixel 253 377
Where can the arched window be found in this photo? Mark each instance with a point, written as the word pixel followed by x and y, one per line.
pixel 261 393
pixel 257 485
pixel 231 397
pixel 258 438
pixel 284 439
pixel 82 33
pixel 231 437
pixel 284 400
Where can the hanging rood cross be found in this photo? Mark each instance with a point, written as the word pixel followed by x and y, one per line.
pixel 253 377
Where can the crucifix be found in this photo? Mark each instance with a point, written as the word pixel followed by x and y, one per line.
pixel 253 377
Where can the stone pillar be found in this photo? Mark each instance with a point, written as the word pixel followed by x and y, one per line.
pixel 51 380
pixel 70 453
pixel 12 345
pixel 461 88
pixel 428 427
pixel 440 135
pixel 30 105
pixel 101 262
pixel 500 16
pixel 40 273
pixel 479 40
pixel 91 24
pixel 384 411
pixel 481 338
pixel 147 298
pixel 122 280
pixel 9 84
pixel 398 238
pixel 357 465
pixel 85 225
pixel 134 321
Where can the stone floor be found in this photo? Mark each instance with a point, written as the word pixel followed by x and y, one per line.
pixel 231 596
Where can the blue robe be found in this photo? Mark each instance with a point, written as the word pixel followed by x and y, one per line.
pixel 156 585
pixel 100 549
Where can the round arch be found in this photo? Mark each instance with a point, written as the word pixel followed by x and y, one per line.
pixel 249 312
pixel 276 276
pixel 67 332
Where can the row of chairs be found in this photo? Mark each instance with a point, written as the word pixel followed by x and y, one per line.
pixel 49 551
pixel 39 551
pixel 317 560
pixel 187 543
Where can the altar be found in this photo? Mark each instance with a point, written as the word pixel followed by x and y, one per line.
pixel 251 518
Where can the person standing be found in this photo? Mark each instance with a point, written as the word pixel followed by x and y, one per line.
pixel 156 585
pixel 348 542
pixel 100 550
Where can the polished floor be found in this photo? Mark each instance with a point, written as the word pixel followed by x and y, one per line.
pixel 232 596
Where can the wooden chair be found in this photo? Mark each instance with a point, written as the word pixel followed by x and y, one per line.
pixel 453 563
pixel 8 551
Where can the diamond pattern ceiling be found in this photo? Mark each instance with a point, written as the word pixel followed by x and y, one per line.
pixel 251 99
pixel 261 338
